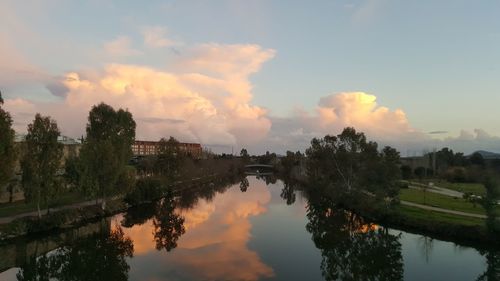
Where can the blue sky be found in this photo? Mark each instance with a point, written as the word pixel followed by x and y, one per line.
pixel 438 61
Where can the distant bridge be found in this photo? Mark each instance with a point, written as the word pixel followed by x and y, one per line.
pixel 253 166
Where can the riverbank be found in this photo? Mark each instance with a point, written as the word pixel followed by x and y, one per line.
pixel 73 216
pixel 463 230
pixel 449 225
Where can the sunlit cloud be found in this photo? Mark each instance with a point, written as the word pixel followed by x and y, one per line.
pixel 206 92
pixel 361 111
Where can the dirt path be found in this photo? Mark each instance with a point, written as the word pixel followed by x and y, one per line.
pixel 430 208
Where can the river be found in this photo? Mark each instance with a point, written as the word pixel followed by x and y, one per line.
pixel 254 230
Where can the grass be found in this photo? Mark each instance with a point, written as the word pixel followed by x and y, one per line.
pixel 20 207
pixel 475 188
pixel 437 217
pixel 440 201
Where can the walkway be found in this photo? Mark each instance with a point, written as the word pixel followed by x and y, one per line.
pixel 439 190
pixel 425 207
pixel 5 220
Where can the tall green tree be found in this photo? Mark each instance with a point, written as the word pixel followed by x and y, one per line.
pixel 349 162
pixel 244 155
pixel 7 147
pixel 41 161
pixel 106 150
pixel 490 203
pixel 169 157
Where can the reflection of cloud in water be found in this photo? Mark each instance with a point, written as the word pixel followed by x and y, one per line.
pixel 214 246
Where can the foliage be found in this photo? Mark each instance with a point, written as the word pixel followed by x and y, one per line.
pixel 7 148
pixel 146 190
pixel 72 168
pixel 348 163
pixel 446 158
pixel 106 150
pixel 126 180
pixel 420 172
pixel 244 155
pixel 169 157
pixel 477 159
pixel 490 203
pixel 290 161
pixel 406 172
pixel 41 161
pixel 266 159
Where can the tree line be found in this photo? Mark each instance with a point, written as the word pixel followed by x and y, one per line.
pixel 98 170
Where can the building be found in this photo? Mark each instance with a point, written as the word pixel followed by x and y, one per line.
pixel 71 147
pixel 143 148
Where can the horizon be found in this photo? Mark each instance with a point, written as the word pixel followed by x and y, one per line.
pixel 260 75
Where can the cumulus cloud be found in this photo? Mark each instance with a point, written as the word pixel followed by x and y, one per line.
pixel 207 100
pixel 120 47
pixel 361 111
pixel 156 37
pixel 337 111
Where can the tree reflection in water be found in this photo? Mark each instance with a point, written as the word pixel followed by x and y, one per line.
pixel 351 248
pixel 244 184
pixel 288 192
pixel 100 256
pixel 168 226
pixel 492 272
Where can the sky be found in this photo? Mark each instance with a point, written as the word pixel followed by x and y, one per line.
pixel 265 75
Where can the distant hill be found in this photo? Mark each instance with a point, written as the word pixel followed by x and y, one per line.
pixel 488 155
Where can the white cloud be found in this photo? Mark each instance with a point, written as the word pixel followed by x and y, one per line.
pixel 207 100
pixel 379 123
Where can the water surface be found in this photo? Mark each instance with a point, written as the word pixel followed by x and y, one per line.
pixel 254 230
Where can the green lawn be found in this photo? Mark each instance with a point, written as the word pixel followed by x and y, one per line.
pixel 440 201
pixel 432 216
pixel 9 209
pixel 475 188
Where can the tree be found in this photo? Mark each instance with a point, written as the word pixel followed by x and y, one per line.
pixel 406 172
pixel 490 203
pixel 420 172
pixel 106 150
pixel 72 170
pixel 7 147
pixel 244 155
pixel 477 159
pixel 348 163
pixel 169 157
pixel 41 161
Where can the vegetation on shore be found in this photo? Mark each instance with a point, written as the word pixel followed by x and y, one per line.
pixel 355 175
